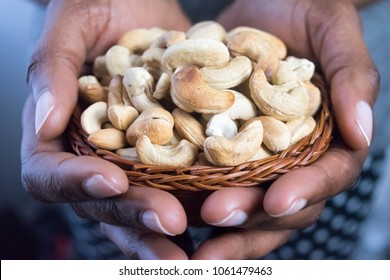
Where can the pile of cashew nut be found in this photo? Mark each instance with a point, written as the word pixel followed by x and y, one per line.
pixel 201 97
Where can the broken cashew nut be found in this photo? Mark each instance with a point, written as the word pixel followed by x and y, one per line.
pixel 120 111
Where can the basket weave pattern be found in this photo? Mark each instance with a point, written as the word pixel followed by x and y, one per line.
pixel 209 178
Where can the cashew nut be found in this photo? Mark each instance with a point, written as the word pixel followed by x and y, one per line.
pixel 262 153
pixel 91 90
pixel 300 128
pixel 156 123
pixel 189 128
pixel 162 86
pixel 128 153
pixel 221 125
pixel 236 71
pixel 224 152
pixel 99 68
pixel 94 116
pixel 200 52
pixel 140 39
pixel 277 135
pixel 190 93
pixel 168 38
pixel 139 86
pixel 258 49
pixel 293 69
pixel 180 155
pixel 117 60
pixel 120 112
pixel 207 29
pixel 277 44
pixel 315 99
pixel 284 102
pixel 108 138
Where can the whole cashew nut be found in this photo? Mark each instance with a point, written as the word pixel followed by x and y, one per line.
pixel 190 93
pixel 224 152
pixel 230 75
pixel 139 86
pixel 284 102
pixel 300 128
pixel 94 116
pixel 156 123
pixel 200 52
pixel 277 44
pixel 255 47
pixel 140 39
pixel 189 128
pixel 91 90
pixel 182 154
pixel 277 136
pixel 207 29
pixel 108 139
pixel 293 69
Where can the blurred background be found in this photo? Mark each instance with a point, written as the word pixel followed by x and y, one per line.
pixel 32 230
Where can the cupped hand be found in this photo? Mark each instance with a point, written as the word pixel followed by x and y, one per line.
pixel 328 33
pixel 76 32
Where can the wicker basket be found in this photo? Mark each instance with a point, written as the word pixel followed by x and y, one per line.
pixel 192 184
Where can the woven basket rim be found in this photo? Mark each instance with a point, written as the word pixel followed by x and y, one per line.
pixel 198 177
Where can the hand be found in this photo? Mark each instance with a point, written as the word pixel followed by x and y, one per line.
pixel 75 32
pixel 327 32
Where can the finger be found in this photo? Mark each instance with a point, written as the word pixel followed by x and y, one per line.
pixel 52 175
pixel 353 78
pixel 241 244
pixel 233 207
pixel 143 245
pixel 139 208
pixel 337 170
pixel 57 61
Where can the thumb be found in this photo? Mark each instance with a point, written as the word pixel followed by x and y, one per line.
pixel 54 69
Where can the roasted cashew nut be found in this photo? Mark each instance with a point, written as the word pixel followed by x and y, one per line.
pixel 284 102
pixel 293 69
pixel 191 94
pixel 200 52
pixel 168 38
pixel 182 154
pixel 139 86
pixel 156 123
pixel 189 128
pixel 276 43
pixel 91 90
pixel 94 116
pixel 230 75
pixel 108 139
pixel 255 47
pixel 221 151
pixel 277 136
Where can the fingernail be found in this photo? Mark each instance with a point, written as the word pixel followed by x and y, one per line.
pixel 235 218
pixel 296 206
pixel 150 219
pixel 98 187
pixel 44 107
pixel 364 120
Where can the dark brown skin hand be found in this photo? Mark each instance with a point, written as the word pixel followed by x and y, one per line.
pixel 328 33
pixel 76 32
